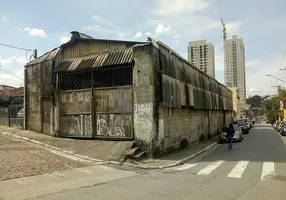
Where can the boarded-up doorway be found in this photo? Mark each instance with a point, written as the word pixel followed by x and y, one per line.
pixel 46 106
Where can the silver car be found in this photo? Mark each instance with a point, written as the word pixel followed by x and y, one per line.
pixel 237 137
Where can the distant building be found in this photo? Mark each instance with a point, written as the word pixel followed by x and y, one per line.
pixel 236 102
pixel 201 55
pixel 235 66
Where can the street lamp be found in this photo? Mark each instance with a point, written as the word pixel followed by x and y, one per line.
pixel 276 78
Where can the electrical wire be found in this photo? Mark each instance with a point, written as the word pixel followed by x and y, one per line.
pixel 11 74
pixel 19 48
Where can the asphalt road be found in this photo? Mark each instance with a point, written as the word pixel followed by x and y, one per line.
pixel 253 169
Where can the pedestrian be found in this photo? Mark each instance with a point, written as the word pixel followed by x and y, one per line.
pixel 229 136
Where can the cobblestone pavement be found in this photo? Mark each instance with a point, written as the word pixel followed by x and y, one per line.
pixel 21 159
pixel 98 149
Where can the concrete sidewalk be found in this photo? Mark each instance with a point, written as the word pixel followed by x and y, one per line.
pixel 112 152
pixel 177 158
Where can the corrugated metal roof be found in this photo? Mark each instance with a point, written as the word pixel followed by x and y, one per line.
pixel 108 58
pixel 47 56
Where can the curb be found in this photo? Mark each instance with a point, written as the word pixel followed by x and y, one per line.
pixel 59 149
pixel 174 164
pixel 179 162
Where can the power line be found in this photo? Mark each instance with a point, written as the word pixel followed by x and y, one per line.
pixel 10 73
pixel 23 49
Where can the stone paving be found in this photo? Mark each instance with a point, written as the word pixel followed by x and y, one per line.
pixel 22 158
pixel 97 149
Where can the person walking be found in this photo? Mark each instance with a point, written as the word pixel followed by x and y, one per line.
pixel 229 136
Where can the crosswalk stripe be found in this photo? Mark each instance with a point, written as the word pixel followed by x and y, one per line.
pixel 238 170
pixel 207 170
pixel 268 170
pixel 185 166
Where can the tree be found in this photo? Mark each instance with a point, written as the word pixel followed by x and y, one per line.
pixel 255 101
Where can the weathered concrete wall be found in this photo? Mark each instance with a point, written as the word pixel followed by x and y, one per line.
pixel 39 85
pixel 179 125
pixel 144 100
pixel 34 98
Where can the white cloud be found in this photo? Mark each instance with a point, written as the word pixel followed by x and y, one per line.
pixel 161 29
pixel 256 80
pixel 104 22
pixel 137 35
pixel 233 28
pixel 177 36
pixel 35 32
pixel 5 19
pixel 149 34
pixel 21 59
pixel 179 7
pixel 5 62
pixel 253 63
pixel 64 39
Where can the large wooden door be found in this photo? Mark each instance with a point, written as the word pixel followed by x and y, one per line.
pixel 46 111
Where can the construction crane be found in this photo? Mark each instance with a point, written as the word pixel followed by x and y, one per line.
pixel 224 47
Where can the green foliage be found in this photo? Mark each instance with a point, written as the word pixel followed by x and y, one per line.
pixel 16 99
pixel 255 101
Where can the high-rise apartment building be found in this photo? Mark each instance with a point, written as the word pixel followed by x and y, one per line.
pixel 235 66
pixel 201 55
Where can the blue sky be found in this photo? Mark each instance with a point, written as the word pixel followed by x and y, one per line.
pixel 44 25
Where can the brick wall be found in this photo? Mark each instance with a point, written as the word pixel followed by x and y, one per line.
pixel 177 125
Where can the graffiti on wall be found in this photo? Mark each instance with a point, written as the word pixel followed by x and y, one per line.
pixel 76 125
pixel 116 100
pixel 75 102
pixel 114 125
pixel 144 112
pixel 75 113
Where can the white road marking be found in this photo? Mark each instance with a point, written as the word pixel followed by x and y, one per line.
pixel 84 171
pixel 238 170
pixel 268 170
pixel 185 166
pixel 210 168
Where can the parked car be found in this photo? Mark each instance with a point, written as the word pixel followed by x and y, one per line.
pixel 242 124
pixel 237 137
pixel 21 113
pixel 279 126
pixel 275 124
pixel 283 130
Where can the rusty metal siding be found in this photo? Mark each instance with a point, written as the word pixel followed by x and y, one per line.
pixel 85 47
pixel 114 113
pixel 75 113
pixel 110 58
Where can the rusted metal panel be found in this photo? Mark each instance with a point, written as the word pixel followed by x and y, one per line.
pixel 114 112
pixel 114 125
pixel 109 58
pixel 75 113
pixel 94 46
pixel 113 100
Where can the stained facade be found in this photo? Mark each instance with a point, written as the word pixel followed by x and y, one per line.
pixel 106 89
